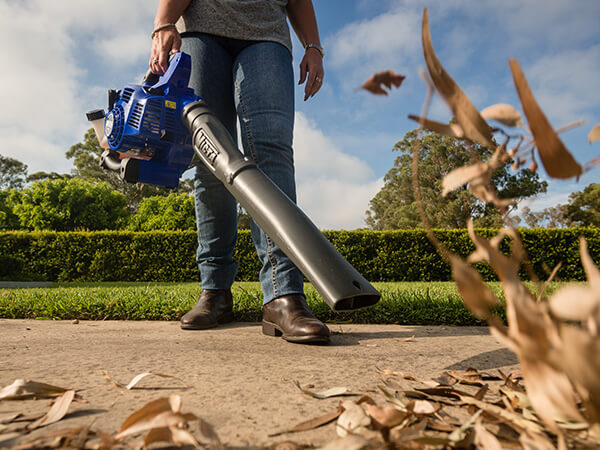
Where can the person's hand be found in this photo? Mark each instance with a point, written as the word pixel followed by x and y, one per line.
pixel 311 71
pixel 164 42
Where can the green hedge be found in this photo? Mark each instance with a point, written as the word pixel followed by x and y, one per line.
pixel 405 255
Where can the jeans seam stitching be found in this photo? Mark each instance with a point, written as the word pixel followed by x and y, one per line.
pixel 250 142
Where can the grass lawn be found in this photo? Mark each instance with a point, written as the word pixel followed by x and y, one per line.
pixel 415 303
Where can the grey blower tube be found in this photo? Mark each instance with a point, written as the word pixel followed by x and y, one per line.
pixel 340 284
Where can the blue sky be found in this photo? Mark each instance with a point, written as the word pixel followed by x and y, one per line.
pixel 60 56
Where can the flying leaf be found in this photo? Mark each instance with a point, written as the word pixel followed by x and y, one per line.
pixel 387 78
pixel 591 271
pixel 462 175
pixel 476 294
pixel 452 129
pixel 575 303
pixel 594 162
pixel 474 126
pixel 582 367
pixel 22 389
pixel 594 134
pixel 56 412
pixel 557 160
pixel 503 113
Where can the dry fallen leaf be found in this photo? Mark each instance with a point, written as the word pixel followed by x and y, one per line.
pixel 387 78
pixel 422 407
pixel 172 435
pixel 56 412
pixel 333 392
pixel 484 439
pixel 312 423
pixel 474 126
pixel 7 437
pixel 503 113
pixel 557 160
pixel 594 134
pixel 209 433
pixel 164 412
pixel 352 442
pixel 386 416
pixel 352 418
pixel 135 380
pixel 535 442
pixel 22 389
pixel 511 418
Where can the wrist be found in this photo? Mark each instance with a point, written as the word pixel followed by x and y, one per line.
pixel 316 47
pixel 163 26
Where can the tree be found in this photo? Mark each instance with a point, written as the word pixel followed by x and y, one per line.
pixel 41 176
pixel 553 217
pixel 173 212
pixel 69 205
pixel 12 173
pixel 9 198
pixel 86 159
pixel 244 219
pixel 583 209
pixel 394 206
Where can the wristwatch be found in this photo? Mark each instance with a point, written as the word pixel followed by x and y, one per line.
pixel 320 49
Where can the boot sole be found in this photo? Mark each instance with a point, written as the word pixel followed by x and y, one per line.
pixel 225 318
pixel 270 329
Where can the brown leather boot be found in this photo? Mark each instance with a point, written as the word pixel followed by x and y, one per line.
pixel 290 318
pixel 213 308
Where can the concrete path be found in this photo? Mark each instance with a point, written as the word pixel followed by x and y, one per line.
pixel 237 379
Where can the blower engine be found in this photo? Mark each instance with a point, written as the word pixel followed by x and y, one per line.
pixel 152 132
pixel 143 131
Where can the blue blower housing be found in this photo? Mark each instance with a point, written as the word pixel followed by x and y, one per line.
pixel 143 124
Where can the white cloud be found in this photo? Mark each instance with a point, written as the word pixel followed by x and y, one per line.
pixel 565 83
pixel 334 188
pixel 37 151
pixel 44 85
pixel 36 84
pixel 124 47
pixel 383 41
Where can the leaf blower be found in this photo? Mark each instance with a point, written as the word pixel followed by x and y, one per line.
pixel 153 132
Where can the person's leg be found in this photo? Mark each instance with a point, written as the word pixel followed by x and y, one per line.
pixel 264 96
pixel 264 99
pixel 216 209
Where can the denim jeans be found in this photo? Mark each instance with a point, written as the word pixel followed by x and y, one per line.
pixel 251 81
